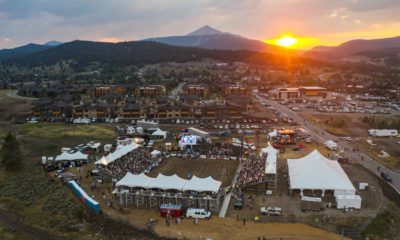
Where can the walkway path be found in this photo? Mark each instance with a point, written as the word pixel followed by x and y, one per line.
pixel 227 198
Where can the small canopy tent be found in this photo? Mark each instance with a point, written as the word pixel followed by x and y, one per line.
pixel 160 133
pixel 316 172
pixel 66 156
pixel 273 134
pixel 155 153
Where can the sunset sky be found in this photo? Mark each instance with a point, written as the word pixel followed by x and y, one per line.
pixel 315 22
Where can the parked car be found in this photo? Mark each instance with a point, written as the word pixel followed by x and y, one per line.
pixel 198 213
pixel 386 176
pixel 238 203
pixel 271 211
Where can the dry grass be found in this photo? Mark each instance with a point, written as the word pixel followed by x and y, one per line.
pixel 60 130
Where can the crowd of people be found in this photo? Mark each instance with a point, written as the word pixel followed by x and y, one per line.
pixel 136 162
pixel 252 171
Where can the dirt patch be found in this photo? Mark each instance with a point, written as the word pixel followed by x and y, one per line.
pixel 11 108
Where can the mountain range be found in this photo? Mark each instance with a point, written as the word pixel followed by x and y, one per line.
pixel 357 47
pixel 385 50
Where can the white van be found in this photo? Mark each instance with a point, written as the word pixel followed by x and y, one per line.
pixel 198 213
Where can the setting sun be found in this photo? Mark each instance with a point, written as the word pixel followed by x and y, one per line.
pixel 294 42
pixel 286 41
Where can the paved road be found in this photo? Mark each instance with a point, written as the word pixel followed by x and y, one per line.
pixel 350 152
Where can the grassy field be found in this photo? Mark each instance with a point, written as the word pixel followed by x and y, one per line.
pixel 385 225
pixel 221 170
pixel 61 130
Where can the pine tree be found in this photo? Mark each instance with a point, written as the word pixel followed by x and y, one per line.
pixel 10 154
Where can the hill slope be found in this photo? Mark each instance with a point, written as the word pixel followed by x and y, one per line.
pixel 127 53
pixel 352 47
pixel 19 51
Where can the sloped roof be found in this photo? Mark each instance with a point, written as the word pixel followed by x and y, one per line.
pixel 173 182
pixel 315 171
pixel 131 180
pixel 66 156
pixel 197 184
pixel 120 151
pixel 272 157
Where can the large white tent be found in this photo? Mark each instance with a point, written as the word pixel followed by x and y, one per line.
pixel 173 182
pixel 119 152
pixel 66 156
pixel 316 172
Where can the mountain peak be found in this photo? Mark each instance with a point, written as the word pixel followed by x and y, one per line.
pixel 205 30
pixel 53 43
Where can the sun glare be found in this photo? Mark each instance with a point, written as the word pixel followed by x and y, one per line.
pixel 286 41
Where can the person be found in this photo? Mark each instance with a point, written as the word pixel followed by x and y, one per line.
pixel 244 221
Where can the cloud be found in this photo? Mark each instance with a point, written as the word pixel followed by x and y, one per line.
pixel 42 20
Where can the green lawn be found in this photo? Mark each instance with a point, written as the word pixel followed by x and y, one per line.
pixel 59 130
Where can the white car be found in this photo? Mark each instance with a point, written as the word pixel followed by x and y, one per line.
pixel 348 139
pixel 237 126
pixel 198 213
pixel 271 211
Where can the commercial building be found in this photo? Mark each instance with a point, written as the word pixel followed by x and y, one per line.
pixel 300 93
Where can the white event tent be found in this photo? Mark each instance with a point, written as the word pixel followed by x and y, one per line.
pixel 316 172
pixel 272 156
pixel 173 182
pixel 155 152
pixel 66 156
pixel 119 152
pixel 273 134
pixel 160 133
